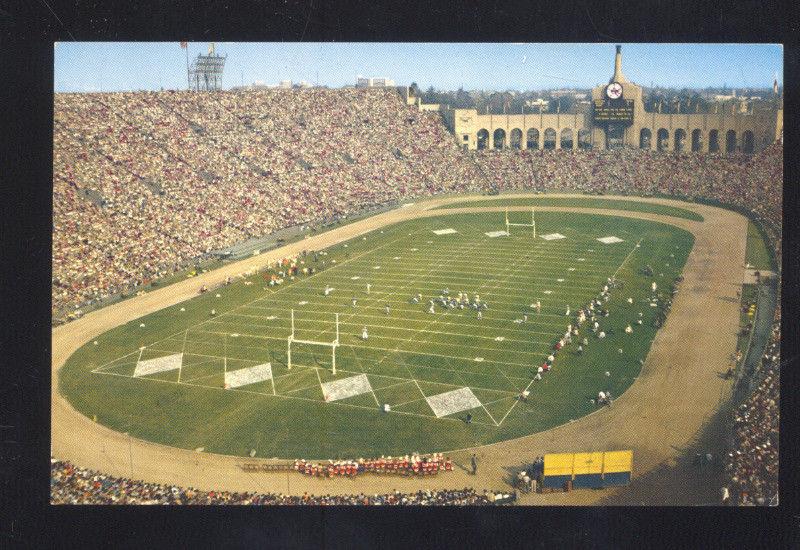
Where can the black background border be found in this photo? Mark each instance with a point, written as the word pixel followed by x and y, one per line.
pixel 27 32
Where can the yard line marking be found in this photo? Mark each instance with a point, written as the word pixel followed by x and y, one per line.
pixel 615 274
pixel 335 403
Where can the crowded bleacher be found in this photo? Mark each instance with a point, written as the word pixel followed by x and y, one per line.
pixel 148 183
pixel 751 467
pixel 70 484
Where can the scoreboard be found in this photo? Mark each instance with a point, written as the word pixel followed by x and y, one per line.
pixel 618 112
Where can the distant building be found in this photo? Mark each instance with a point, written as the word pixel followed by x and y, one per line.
pixel 373 82
pixel 541 103
pixel 616 117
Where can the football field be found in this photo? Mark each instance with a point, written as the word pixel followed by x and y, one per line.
pixel 223 382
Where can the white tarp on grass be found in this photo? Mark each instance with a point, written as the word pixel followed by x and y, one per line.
pixel 493 234
pixel 553 236
pixel 159 364
pixel 247 376
pixel 452 402
pixel 610 240
pixel 448 231
pixel 346 387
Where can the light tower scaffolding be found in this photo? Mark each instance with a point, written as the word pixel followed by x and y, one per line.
pixel 333 345
pixel 532 224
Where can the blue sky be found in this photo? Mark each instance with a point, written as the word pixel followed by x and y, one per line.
pixel 114 66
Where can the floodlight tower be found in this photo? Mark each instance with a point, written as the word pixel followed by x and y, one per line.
pixel 205 72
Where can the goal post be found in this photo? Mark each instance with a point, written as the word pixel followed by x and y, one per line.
pixel 532 225
pixel 292 339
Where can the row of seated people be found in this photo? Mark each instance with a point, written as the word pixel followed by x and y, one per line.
pixel 750 182
pixel 751 466
pixel 145 183
pixel 70 484
pixel 405 465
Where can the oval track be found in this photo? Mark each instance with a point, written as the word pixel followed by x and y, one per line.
pixel 662 413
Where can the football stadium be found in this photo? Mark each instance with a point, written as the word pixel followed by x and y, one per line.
pixel 311 295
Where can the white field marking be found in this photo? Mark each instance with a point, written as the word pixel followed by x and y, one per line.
pixel 451 402
pixel 571 269
pixel 495 234
pixel 532 380
pixel 547 292
pixel 451 279
pixel 408 352
pixel 304 302
pixel 409 402
pixel 396 258
pixel 559 260
pixel 559 280
pixel 627 257
pixel 581 259
pixel 199 378
pixel 549 268
pixel 314 386
pixel 414 249
pixel 469 244
pixel 479 359
pixel 552 236
pixel 270 318
pixel 376 267
pixel 339 404
pixel 610 240
pixel 248 375
pixel 413 379
pixel 157 365
pixel 380 314
pixel 262 298
pixel 355 278
pixel 501 338
pixel 448 231
pixel 109 365
pixel 460 334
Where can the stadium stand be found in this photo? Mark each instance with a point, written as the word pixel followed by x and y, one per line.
pixel 70 484
pixel 751 467
pixel 147 183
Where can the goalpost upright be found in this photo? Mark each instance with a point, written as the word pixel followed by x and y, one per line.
pixel 532 224
pixel 333 345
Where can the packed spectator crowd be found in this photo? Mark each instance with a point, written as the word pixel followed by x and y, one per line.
pixel 752 465
pixel 413 464
pixel 147 183
pixel 70 484
pixel 750 182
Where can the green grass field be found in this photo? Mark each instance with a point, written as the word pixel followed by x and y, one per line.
pixel 410 355
pixel 757 253
pixel 584 202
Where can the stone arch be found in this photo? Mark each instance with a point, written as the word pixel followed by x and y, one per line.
pixel 549 141
pixel 730 141
pixel 697 141
pixel 713 141
pixel 645 139
pixel 499 138
pixel 584 139
pixel 567 141
pixel 662 139
pixel 533 138
pixel 483 138
pixel 515 139
pixel 748 142
pixel 680 140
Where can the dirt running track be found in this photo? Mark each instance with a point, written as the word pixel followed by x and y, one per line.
pixel 662 414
